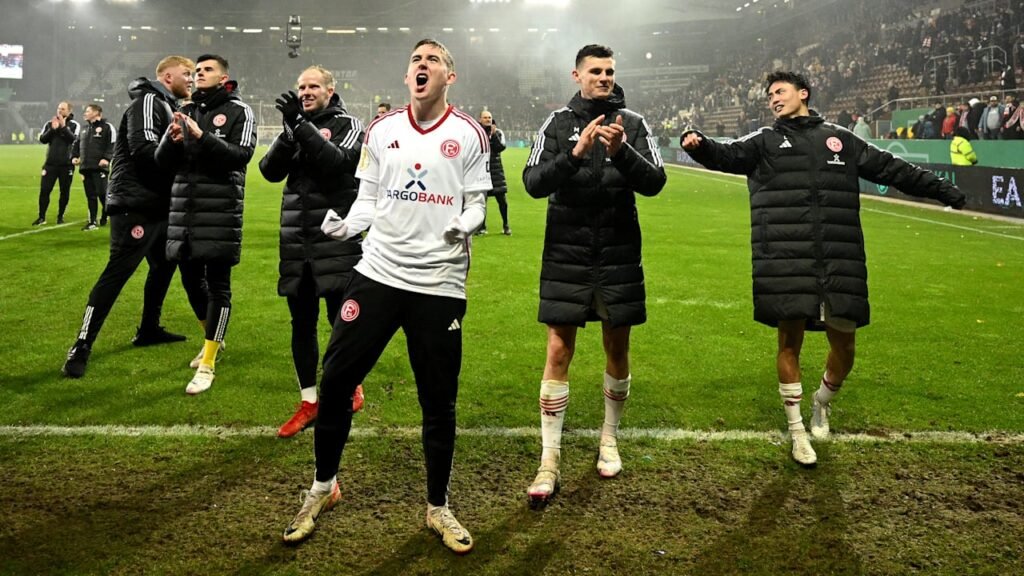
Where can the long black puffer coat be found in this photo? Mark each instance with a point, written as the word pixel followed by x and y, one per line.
pixel 805 229
pixel 592 243
pixel 319 160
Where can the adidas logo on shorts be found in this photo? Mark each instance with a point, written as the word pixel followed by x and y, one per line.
pixel 455 325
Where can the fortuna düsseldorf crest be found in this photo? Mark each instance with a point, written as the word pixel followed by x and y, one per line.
pixel 219 120
pixel 138 232
pixel 834 144
pixel 326 133
pixel 349 310
pixel 450 148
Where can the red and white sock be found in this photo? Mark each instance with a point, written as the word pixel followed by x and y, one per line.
pixel 615 394
pixel 829 387
pixel 791 394
pixel 554 399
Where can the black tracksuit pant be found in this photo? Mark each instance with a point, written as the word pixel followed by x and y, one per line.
pixel 305 308
pixel 95 182
pixel 51 174
pixel 133 237
pixel 370 315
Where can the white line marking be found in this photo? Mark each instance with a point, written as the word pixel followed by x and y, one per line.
pixel 40 229
pixel 887 200
pixel 663 434
pixel 936 222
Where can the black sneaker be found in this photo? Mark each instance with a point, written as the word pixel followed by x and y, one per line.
pixel 60 219
pixel 89 226
pixel 154 336
pixel 78 357
pixel 506 231
pixel 103 221
pixel 39 221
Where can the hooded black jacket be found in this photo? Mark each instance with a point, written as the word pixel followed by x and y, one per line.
pixel 592 244
pixel 205 222
pixel 137 183
pixel 805 230
pixel 319 161
pixel 59 141
pixel 94 143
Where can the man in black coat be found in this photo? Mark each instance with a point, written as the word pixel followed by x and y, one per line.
pixel 58 134
pixel 92 152
pixel 209 145
pixel 317 152
pixel 589 159
pixel 500 187
pixel 138 199
pixel 809 265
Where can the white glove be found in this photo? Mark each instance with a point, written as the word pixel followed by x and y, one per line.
pixel 334 226
pixel 455 232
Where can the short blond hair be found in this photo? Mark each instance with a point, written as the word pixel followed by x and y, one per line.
pixel 170 61
pixel 324 73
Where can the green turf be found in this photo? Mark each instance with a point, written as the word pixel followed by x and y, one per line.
pixel 943 353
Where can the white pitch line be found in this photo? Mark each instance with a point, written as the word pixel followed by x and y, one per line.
pixel 662 434
pixel 733 180
pixel 957 226
pixel 38 230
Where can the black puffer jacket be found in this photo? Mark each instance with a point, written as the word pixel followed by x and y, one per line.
pixel 205 222
pixel 59 140
pixel 319 162
pixel 592 242
pixel 805 230
pixel 498 183
pixel 137 183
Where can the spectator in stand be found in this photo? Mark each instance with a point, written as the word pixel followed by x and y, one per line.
pixel 917 130
pixel 1007 80
pixel 1013 129
pixel 949 123
pixel 938 115
pixel 991 119
pixel 862 128
pixel 383 108
pixel 970 118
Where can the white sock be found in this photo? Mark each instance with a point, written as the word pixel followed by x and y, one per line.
pixel 615 393
pixel 554 398
pixel 308 394
pixel 323 487
pixel 829 387
pixel 791 394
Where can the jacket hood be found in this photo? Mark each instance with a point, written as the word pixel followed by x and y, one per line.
pixel 209 99
pixel 142 86
pixel 593 108
pixel 799 123
pixel 334 106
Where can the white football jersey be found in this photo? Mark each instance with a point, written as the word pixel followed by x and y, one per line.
pixel 424 177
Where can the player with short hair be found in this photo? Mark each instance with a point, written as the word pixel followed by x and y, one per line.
pixel 809 265
pixel 138 198
pixel 317 152
pixel 423 178
pixel 209 145
pixel 590 159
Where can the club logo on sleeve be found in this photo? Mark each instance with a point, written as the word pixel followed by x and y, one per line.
pixel 450 148
pixel 349 310
pixel 138 232
pixel 326 133
pixel 219 120
pixel 834 144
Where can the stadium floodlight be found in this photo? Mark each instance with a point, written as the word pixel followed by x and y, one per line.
pixel 252 30
pixel 293 35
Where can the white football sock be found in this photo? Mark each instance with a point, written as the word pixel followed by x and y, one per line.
pixel 829 388
pixel 791 394
pixel 615 394
pixel 323 487
pixel 554 398
pixel 308 394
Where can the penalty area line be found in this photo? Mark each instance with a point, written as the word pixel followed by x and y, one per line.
pixel 661 434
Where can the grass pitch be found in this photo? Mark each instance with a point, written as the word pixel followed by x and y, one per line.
pixel 942 355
